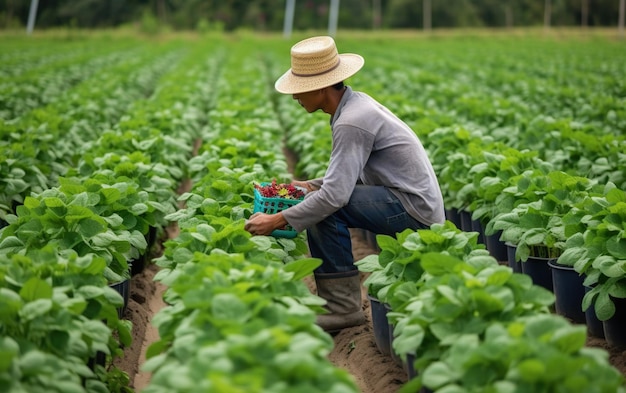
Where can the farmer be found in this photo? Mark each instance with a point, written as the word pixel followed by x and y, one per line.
pixel 379 177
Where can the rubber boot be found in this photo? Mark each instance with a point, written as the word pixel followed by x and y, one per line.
pixel 343 296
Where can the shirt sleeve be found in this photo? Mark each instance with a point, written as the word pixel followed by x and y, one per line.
pixel 351 148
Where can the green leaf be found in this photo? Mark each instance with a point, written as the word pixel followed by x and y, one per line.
pixel 36 288
pixel 570 339
pixel 90 291
pixel 35 309
pixel 9 350
pixel 302 267
pixel 10 304
pixel 609 266
pixel 31 203
pixel 139 208
pixel 124 329
pixel 226 306
pixel 530 370
pixel 138 240
pixel 29 230
pixel 571 256
pixel 409 340
pixel 182 255
pixel 11 244
pixel 32 362
pixel 616 247
pixel 58 340
pixel 96 266
pixel 367 264
pixel 439 374
pixel 449 293
pixel 604 306
pixel 618 289
pixel 439 264
pixel 535 236
pixel 111 195
pixel 97 330
pixel 386 242
pixel 89 227
pixel 498 276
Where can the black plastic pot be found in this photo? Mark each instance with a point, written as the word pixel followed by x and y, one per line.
pixel 478 227
pixel 137 265
pixel 510 256
pixel 123 288
pixel 569 292
pixel 539 271
pixel 98 360
pixel 466 221
pixel 615 327
pixel 410 366
pixel 497 248
pixel 396 358
pixel 595 327
pixel 412 373
pixel 380 325
pixel 453 216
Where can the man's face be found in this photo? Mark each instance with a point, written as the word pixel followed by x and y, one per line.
pixel 311 100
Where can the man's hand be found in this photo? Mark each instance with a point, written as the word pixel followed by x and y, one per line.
pixel 264 224
pixel 304 184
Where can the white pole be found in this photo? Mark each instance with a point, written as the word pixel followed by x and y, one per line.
pixel 547 14
pixel 290 6
pixel 427 17
pixel 332 17
pixel 31 16
pixel 622 11
pixel 376 14
pixel 508 15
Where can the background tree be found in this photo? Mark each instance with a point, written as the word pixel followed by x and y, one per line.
pixel 267 15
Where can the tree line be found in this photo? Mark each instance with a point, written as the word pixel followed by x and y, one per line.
pixel 268 15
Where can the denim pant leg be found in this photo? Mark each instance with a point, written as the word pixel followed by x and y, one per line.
pixel 373 208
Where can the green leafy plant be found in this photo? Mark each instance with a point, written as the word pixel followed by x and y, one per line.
pixel 399 260
pixel 235 312
pixel 599 250
pixel 536 227
pixel 19 174
pixel 461 297
pixel 58 313
pixel 541 352
pixel 500 169
pixel 72 224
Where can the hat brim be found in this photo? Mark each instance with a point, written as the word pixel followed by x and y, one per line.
pixel 349 65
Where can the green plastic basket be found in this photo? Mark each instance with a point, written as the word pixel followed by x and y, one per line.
pixel 275 205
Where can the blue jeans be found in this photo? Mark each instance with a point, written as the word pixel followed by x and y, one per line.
pixel 373 208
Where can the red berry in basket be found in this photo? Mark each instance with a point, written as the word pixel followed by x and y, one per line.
pixel 282 190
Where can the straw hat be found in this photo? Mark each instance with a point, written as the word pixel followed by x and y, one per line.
pixel 315 64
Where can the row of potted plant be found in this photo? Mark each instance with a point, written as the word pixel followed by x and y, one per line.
pixel 41 145
pixel 239 316
pixel 596 250
pixel 67 247
pixel 450 303
pixel 527 176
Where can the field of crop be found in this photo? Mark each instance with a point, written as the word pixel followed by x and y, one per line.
pixel 126 158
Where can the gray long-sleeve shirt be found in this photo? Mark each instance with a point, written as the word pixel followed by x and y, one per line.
pixel 371 144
